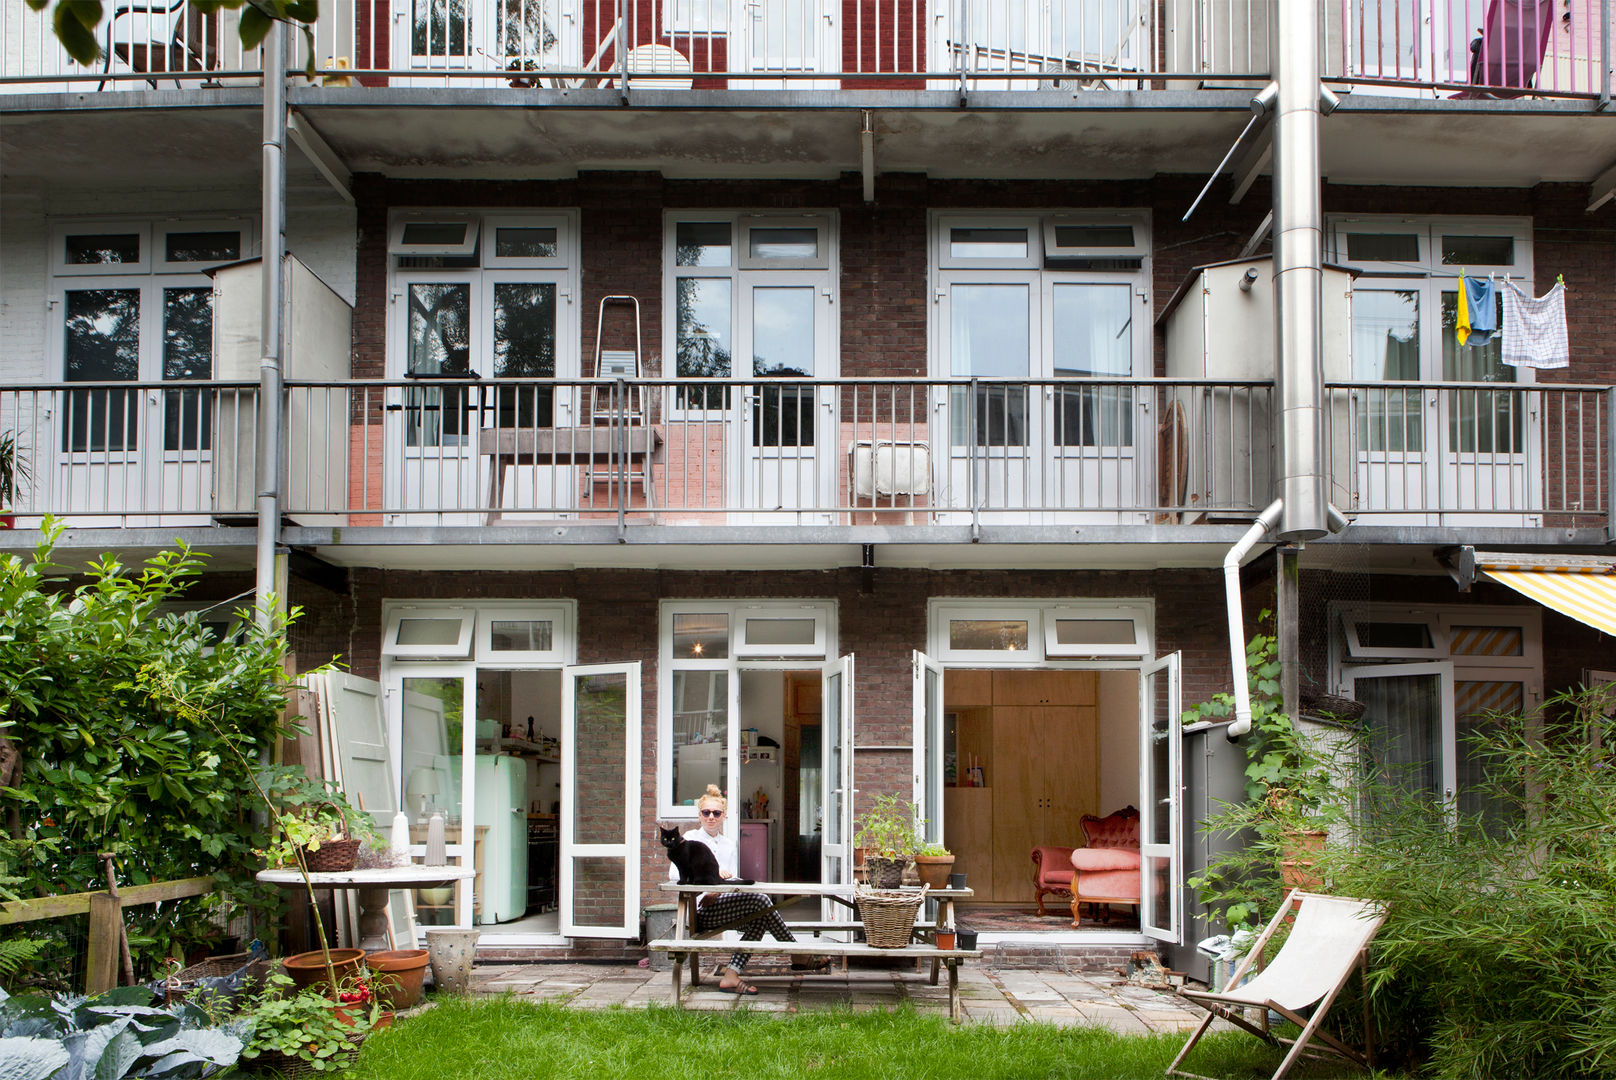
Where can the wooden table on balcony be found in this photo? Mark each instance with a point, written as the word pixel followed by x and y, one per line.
pixel 619 452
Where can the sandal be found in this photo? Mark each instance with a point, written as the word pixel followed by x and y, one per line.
pixel 810 963
pixel 743 989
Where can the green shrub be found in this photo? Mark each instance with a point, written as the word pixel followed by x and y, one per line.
pixel 1498 955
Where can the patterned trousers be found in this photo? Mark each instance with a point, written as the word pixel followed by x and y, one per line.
pixel 732 906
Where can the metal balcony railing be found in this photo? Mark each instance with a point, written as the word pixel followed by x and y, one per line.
pixel 1442 48
pixel 790 452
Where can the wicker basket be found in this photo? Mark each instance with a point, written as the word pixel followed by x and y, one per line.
pixel 277 1064
pixel 334 856
pixel 889 915
pixel 177 987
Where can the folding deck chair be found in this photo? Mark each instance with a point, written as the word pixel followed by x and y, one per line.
pixel 1325 945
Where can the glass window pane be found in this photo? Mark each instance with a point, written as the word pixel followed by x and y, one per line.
pixel 1094 236
pixel 998 635
pixel 223 246
pixel 91 249
pixel 980 243
pixel 600 731
pixel 701 15
pixel 783 331
pixel 1386 347
pixel 521 635
pixel 1383 247
pixel 780 631
pixel 428 631
pixel 1394 635
pixel 700 732
pixel 701 636
pixel 435 233
pixel 1497 801
pixel 525 242
pixel 433 721
pixel 989 332
pixel 703 338
pixel 1403 719
pixel 1479 421
pixel 1093 327
pixel 440 28
pixel 1094 632
pixel 1478 251
pixel 440 329
pixel 702 243
pixel 102 345
pixel 524 347
pixel 187 354
pixel 783 243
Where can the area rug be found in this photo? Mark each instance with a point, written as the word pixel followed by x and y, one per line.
pixel 999 919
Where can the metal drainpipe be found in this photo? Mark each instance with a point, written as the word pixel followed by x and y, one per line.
pixel 1237 620
pixel 1299 273
pixel 269 319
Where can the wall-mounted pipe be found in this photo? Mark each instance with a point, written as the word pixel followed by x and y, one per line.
pixel 272 266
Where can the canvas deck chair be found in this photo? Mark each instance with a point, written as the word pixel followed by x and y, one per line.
pixel 1325 945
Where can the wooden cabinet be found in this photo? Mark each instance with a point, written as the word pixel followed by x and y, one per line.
pixel 967 689
pixel 1042 769
pixel 1045 687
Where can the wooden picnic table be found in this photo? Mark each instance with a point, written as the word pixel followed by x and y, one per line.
pixel 687 944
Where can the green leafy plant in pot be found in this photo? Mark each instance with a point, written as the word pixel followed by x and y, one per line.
pixel 934 863
pixel 295 1031
pixel 886 832
pixel 14 476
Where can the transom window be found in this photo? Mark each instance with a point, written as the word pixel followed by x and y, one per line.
pixel 135 305
pixel 1024 632
pixel 500 633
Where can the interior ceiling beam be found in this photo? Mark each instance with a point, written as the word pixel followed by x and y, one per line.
pixel 324 159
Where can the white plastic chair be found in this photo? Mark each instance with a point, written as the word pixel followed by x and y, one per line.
pixel 657 60
pixel 1325 945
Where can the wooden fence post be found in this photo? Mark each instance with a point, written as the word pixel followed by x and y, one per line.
pixel 101 966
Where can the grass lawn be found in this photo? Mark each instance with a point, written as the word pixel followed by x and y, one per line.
pixel 509 1039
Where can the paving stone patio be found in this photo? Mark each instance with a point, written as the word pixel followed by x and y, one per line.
pixel 989 996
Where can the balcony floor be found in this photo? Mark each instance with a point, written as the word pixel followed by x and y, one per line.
pixel 167 136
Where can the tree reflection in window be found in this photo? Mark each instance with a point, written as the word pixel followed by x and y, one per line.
pixel 187 354
pixel 439 344
pixel 102 345
pixel 440 28
pixel 524 348
pixel 702 341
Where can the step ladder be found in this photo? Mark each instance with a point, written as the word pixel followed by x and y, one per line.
pixel 622 441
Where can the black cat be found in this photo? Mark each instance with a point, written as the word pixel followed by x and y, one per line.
pixel 696 862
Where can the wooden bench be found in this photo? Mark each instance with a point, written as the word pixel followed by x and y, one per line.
pixel 681 950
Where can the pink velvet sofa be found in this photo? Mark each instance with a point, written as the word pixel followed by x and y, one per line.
pixel 1051 872
pixel 1106 871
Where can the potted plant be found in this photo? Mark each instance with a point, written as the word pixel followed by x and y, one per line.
pixel 934 863
pixel 14 476
pixel 886 832
pixel 522 64
pixel 295 1032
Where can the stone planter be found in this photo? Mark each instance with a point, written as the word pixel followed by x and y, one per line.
pixel 452 953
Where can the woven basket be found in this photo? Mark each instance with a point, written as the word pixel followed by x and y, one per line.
pixel 275 1063
pixel 334 856
pixel 889 915
pixel 177 987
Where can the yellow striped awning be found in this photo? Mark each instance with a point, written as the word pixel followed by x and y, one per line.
pixel 1584 596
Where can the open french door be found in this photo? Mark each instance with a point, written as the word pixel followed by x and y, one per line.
pixel 836 801
pixel 1161 863
pixel 600 794
pixel 928 781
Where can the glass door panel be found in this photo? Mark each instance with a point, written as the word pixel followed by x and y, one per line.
pixel 990 332
pixel 1390 421
pixel 432 743
pixel 928 752
pixel 836 728
pixel 782 422
pixel 1092 336
pixel 600 789
pixel 788 36
pixel 1409 718
pixel 1484 466
pixel 1160 826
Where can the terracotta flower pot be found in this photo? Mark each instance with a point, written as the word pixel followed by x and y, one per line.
pixel 945 939
pixel 934 869
pixel 397 975
pixel 307 970
pixel 1298 867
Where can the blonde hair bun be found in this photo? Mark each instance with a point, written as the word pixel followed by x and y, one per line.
pixel 713 790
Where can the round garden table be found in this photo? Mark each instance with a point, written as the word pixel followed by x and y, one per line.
pixel 373 887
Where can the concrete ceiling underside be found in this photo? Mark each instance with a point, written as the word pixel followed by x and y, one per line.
pixel 502 135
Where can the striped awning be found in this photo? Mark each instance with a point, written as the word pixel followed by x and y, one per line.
pixel 1584 589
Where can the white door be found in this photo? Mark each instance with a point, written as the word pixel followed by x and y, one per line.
pixel 600 798
pixel 929 764
pixel 1409 717
pixel 788 37
pixel 1075 44
pixel 507 38
pixel 362 746
pixel 990 328
pixel 788 428
pixel 836 800
pixel 1161 864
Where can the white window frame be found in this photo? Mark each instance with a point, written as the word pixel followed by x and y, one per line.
pixel 701 20
pixel 946 258
pixel 818 648
pixel 561 223
pixel 745 223
pixel 1440 621
pixel 60 267
pixel 1040 616
pixel 404 218
pixel 824 612
pixel 1352 618
pixel 557 615
pixel 460 650
pixel 1140 248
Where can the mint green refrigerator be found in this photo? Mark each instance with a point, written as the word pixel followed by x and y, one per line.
pixel 502 787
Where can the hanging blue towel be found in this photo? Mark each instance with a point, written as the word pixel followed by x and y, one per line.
pixel 1481 297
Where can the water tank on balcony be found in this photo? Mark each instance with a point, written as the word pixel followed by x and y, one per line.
pixel 319 329
pixel 1219 441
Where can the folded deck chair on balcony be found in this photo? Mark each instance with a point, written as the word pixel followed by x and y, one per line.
pixel 1326 943
pixel 160 37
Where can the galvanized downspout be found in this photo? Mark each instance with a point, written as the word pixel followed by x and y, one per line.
pixel 1299 273
pixel 1237 616
pixel 273 205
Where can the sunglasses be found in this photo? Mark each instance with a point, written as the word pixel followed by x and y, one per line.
pixel 712 813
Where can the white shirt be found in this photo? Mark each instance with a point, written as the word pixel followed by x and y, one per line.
pixel 729 856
